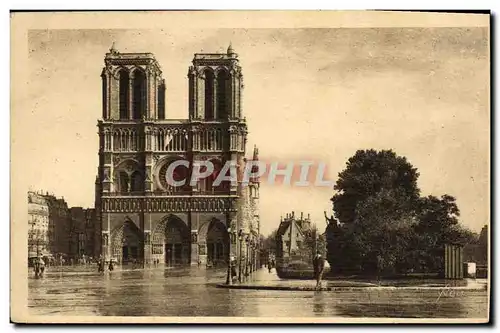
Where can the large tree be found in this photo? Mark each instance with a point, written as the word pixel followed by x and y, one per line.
pixel 370 172
pixel 438 225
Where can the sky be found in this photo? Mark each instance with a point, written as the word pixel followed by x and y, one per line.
pixel 310 94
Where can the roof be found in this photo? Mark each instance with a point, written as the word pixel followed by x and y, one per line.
pixel 284 225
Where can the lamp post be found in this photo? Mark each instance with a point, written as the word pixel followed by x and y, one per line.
pixel 240 238
pixel 231 237
pixel 254 255
pixel 247 256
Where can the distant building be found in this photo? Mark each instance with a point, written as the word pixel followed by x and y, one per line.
pixel 90 222
pixel 76 232
pixel 291 235
pixel 58 219
pixel 55 229
pixel 39 228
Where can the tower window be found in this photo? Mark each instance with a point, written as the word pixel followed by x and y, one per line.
pixel 139 88
pixel 161 101
pixel 222 94
pixel 209 95
pixel 124 78
pixel 104 96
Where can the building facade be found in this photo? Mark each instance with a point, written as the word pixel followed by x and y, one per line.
pixel 40 230
pixel 141 216
pixel 291 235
pixel 60 220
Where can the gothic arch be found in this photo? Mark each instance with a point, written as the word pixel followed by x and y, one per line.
pixel 223 93
pixel 139 87
pixel 171 241
pixel 136 69
pixel 209 93
pixel 213 234
pixel 123 86
pixel 208 182
pixel 128 177
pixel 127 242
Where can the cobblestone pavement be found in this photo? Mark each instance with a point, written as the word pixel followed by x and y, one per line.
pixel 193 292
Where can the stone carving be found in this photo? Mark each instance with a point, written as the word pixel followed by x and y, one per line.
pixel 202 249
pixel 194 237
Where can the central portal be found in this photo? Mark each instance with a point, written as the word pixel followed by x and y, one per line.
pixel 172 237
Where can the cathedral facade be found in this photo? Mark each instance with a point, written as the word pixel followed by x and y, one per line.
pixel 142 217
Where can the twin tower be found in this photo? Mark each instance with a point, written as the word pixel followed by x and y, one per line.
pixel 144 218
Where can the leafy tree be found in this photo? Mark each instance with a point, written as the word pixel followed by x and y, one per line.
pixel 369 172
pixel 438 225
pixel 269 242
pixel 381 223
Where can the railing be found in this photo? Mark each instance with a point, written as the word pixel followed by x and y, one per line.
pixel 169 193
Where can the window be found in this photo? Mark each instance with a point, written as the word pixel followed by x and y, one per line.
pixel 139 94
pixel 124 81
pixel 223 94
pixel 161 101
pixel 209 95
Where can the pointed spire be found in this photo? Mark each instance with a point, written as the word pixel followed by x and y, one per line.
pixel 255 168
pixel 113 50
pixel 255 153
pixel 230 49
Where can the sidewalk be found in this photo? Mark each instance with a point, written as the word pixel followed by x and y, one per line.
pixel 263 280
pixel 92 270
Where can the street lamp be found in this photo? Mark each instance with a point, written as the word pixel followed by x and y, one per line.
pixel 254 255
pixel 247 256
pixel 231 237
pixel 240 237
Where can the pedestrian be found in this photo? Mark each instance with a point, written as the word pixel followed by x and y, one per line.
pixel 41 266
pixel 36 267
pixel 110 267
pixel 319 268
pixel 100 265
pixel 233 267
pixel 269 264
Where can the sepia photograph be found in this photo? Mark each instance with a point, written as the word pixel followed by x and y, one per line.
pixel 250 167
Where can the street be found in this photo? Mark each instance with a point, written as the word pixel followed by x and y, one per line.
pixel 193 292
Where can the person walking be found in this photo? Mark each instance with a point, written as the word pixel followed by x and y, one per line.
pixel 319 268
pixel 111 266
pixel 41 267
pixel 36 267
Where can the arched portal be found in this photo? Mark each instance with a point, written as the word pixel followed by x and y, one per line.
pixel 217 242
pixel 171 242
pixel 127 243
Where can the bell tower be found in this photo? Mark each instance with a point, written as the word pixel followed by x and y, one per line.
pixel 215 86
pixel 132 87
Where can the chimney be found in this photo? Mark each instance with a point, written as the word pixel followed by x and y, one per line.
pixel 308 216
pixel 293 214
pixel 301 215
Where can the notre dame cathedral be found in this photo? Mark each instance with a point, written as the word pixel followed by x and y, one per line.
pixel 143 219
